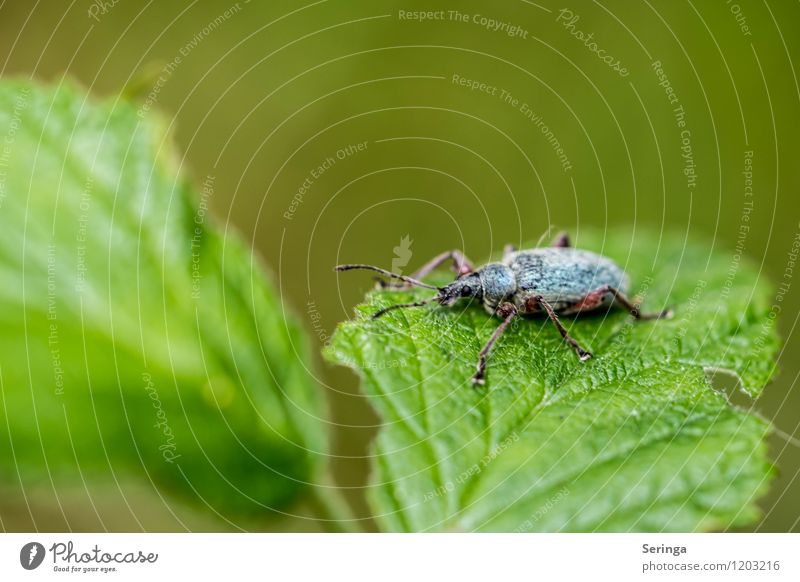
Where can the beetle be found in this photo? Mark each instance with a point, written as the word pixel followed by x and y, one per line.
pixel 555 280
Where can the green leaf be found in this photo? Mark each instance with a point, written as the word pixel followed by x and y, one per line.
pixel 634 439
pixel 139 337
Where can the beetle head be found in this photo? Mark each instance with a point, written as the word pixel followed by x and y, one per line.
pixel 492 283
pixel 465 286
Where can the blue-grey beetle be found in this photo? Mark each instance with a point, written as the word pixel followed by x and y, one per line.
pixel 553 280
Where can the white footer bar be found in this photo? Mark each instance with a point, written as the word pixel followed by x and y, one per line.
pixel 400 557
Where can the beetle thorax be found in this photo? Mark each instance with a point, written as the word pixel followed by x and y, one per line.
pixel 498 284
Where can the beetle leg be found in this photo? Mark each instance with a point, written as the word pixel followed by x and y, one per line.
pixel 507 311
pixel 561 240
pixel 461 264
pixel 634 308
pixel 582 354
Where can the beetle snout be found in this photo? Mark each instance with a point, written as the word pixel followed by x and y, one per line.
pixel 449 296
pixel 466 286
pixel 446 301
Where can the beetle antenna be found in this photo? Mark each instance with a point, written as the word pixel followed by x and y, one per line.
pixel 386 273
pixel 403 305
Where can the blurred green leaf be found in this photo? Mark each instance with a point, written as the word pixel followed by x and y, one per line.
pixel 139 337
pixel 634 439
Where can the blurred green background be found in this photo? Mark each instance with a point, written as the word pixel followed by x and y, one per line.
pixel 273 98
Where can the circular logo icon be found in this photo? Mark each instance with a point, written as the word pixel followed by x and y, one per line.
pixel 31 555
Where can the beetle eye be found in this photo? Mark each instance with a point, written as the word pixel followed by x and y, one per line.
pixel 466 292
